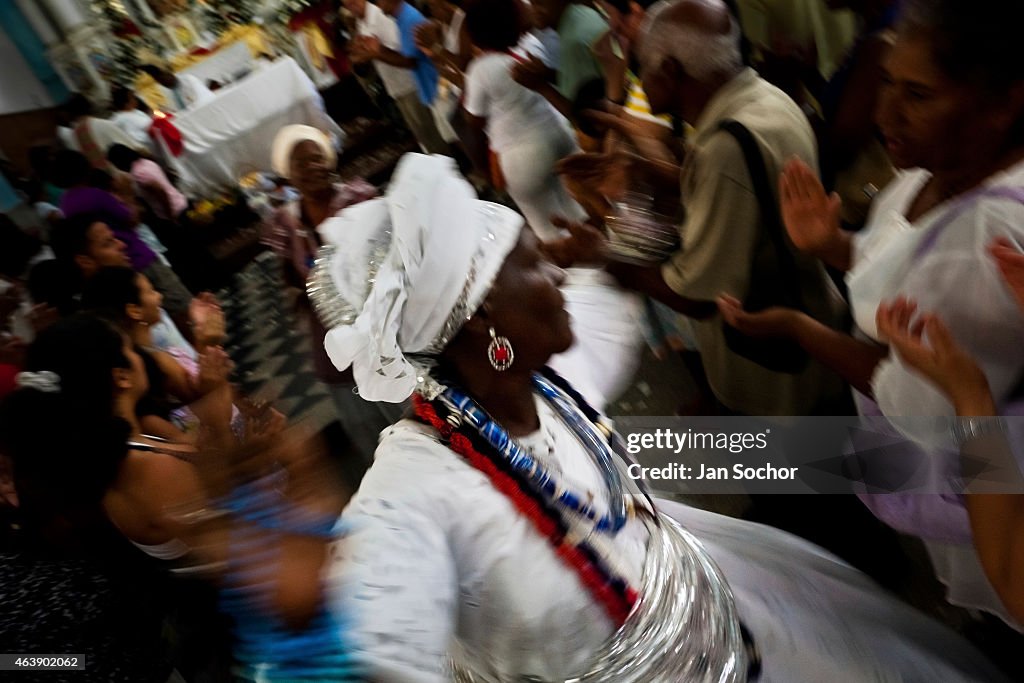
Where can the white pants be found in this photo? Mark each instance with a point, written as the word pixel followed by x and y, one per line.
pixel 529 170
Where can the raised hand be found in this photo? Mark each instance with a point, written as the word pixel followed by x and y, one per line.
pixel 924 343
pixel 207 319
pixel 811 217
pixel 214 407
pixel 427 35
pixel 214 369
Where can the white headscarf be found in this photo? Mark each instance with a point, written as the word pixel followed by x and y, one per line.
pixel 410 269
pixel 289 137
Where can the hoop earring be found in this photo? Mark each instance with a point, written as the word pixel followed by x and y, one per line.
pixel 499 352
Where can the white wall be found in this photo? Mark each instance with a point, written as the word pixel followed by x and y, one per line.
pixel 20 90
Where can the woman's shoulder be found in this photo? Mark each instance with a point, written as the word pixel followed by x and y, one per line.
pixel 412 467
pixel 413 448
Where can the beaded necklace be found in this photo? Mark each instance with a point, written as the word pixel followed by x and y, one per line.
pixel 470 432
pixel 521 461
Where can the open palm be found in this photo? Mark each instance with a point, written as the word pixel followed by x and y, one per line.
pixel 810 215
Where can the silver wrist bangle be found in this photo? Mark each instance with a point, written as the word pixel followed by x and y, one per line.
pixel 966 429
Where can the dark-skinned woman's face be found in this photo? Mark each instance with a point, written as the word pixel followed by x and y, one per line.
pixel 526 306
pixel 310 172
pixel 928 119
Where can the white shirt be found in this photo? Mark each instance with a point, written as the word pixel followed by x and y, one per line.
pixel 437 552
pixel 511 110
pixel 136 124
pixel 956 278
pixel 398 82
pixel 105 134
pixel 191 91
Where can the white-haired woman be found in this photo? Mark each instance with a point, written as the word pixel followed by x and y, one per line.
pixel 495 538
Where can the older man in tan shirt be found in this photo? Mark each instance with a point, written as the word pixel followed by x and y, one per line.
pixel 691 67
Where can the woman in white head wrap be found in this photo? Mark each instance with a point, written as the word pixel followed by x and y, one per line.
pixel 305 156
pixel 495 538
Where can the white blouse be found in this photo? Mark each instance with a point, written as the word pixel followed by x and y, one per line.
pixel 439 560
pixel 955 278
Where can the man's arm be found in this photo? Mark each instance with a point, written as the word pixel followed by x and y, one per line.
pixel 649 280
pixel 389 56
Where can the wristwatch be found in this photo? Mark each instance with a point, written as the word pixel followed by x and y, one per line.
pixel 966 429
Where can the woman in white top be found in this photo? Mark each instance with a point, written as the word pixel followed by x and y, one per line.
pixel 128 117
pixel 952 113
pixel 529 137
pixel 525 132
pixel 494 535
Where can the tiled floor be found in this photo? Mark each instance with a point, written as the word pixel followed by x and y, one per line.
pixel 271 353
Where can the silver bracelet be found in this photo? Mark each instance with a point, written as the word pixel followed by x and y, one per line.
pixel 966 429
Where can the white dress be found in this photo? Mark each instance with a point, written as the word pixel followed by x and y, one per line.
pixel 527 134
pixel 955 277
pixel 439 561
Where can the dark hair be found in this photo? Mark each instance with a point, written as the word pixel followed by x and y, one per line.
pixel 153 70
pixel 494 24
pixel 119 97
pixel 40 159
pixel 590 96
pixel 108 293
pixel 973 41
pixel 100 179
pixel 78 105
pixel 122 157
pixel 66 446
pixel 621 5
pixel 70 168
pixel 70 237
pixel 16 248
pixel 57 284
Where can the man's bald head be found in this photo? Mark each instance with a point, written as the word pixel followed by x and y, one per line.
pixel 702 35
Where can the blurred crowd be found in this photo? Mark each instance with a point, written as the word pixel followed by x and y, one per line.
pixel 818 206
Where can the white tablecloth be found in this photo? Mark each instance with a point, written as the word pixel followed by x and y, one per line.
pixel 231 135
pixel 224 65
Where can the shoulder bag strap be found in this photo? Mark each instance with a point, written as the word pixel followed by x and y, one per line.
pixel 770 218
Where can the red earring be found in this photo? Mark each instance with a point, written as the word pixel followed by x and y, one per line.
pixel 500 353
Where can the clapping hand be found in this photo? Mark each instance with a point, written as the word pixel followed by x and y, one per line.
pixel 207 319
pixel 925 344
pixel 214 407
pixel 427 35
pixel 811 216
